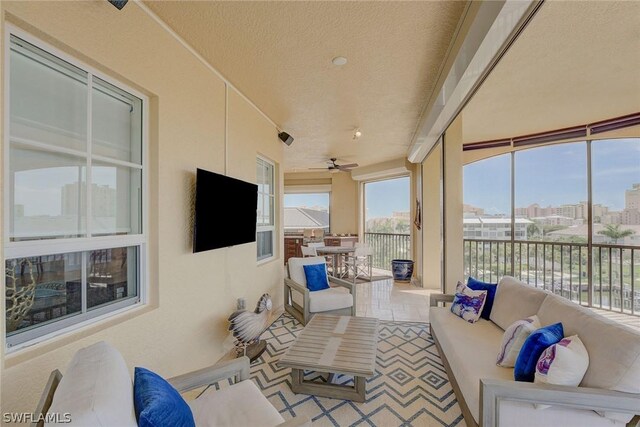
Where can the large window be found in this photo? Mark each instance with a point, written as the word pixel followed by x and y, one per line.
pixel 306 211
pixel 74 240
pixel 265 177
pixel 576 230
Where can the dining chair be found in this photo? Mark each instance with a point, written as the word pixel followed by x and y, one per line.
pixel 359 264
pixel 308 251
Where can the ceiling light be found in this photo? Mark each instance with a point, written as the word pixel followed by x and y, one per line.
pixel 356 133
pixel 339 60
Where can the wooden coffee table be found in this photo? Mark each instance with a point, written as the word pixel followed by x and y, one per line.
pixel 335 345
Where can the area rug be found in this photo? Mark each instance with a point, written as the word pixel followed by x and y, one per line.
pixel 410 387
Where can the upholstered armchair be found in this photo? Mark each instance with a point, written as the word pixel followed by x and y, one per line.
pixel 339 299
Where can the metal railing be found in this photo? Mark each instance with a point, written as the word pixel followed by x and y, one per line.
pixel 386 247
pixel 604 278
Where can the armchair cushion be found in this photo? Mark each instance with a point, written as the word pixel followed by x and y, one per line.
pixel 241 404
pixel 296 268
pixel 158 403
pixel 316 275
pixel 330 299
pixel 96 388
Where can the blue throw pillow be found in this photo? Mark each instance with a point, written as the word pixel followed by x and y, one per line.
pixel 491 288
pixel 316 275
pixel 157 403
pixel 538 341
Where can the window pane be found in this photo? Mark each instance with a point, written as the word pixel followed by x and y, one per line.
pixel 47 191
pixel 112 275
pixel 117 123
pixel 616 191
pixel 487 200
pixel 265 244
pixel 387 206
pixel 551 192
pixel 48 98
pixel 116 200
pixel 39 290
pixel 306 211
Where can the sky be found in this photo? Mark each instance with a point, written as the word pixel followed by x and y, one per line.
pixel 555 175
pixel 306 200
pixel 382 198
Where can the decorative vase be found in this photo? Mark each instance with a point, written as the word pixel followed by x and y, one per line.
pixel 402 270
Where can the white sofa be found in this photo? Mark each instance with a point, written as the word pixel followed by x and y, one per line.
pixel 488 394
pixel 97 390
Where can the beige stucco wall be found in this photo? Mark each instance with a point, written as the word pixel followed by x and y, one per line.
pixel 191 294
pixel 431 220
pixel 453 232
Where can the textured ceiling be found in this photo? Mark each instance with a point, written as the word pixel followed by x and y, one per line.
pixel 279 55
pixel 575 63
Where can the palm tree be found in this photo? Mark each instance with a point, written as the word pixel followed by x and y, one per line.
pixel 614 232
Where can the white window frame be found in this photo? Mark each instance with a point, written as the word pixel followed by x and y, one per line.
pixel 33 248
pixel 272 197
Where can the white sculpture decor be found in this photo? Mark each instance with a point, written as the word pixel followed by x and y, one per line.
pixel 247 326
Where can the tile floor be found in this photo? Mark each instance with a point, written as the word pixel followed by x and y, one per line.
pixel 389 300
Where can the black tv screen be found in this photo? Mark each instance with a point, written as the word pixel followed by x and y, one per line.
pixel 225 211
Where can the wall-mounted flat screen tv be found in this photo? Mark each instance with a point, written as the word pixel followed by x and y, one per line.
pixel 225 211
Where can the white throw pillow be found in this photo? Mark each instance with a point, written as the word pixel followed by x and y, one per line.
pixel 563 363
pixel 513 339
pixel 467 303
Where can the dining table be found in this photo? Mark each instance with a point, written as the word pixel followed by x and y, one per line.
pixel 336 253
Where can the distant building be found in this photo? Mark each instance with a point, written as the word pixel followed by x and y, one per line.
pixel 556 220
pixel 490 228
pixel 403 215
pixel 632 197
pixel 103 199
pixel 473 210
pixel 582 231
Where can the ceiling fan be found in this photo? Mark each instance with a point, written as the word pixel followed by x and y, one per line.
pixel 333 166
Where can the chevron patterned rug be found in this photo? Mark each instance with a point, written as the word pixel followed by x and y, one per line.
pixel 410 387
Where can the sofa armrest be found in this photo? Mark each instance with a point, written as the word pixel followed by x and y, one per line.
pixel 593 399
pixel 296 422
pixel 435 299
pixel 236 368
pixel 296 286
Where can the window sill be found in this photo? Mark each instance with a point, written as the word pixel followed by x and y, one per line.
pixel 40 346
pixel 267 260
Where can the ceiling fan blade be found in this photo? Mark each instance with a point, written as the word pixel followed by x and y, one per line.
pixel 349 166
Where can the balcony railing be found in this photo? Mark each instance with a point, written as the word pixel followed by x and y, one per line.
pixel 386 247
pixel 606 279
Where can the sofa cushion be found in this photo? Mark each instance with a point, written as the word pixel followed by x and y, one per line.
pixel 241 404
pixel 316 276
pixel 157 403
pixel 614 349
pixel 532 348
pixel 96 389
pixel 330 299
pixel 470 349
pixel 491 289
pixel 515 300
pixel 513 339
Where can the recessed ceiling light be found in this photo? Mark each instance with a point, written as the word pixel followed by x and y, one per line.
pixel 339 60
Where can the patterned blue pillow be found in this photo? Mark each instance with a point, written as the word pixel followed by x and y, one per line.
pixel 491 288
pixel 535 344
pixel 316 275
pixel 468 303
pixel 157 403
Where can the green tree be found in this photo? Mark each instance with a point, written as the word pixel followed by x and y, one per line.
pixel 615 233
